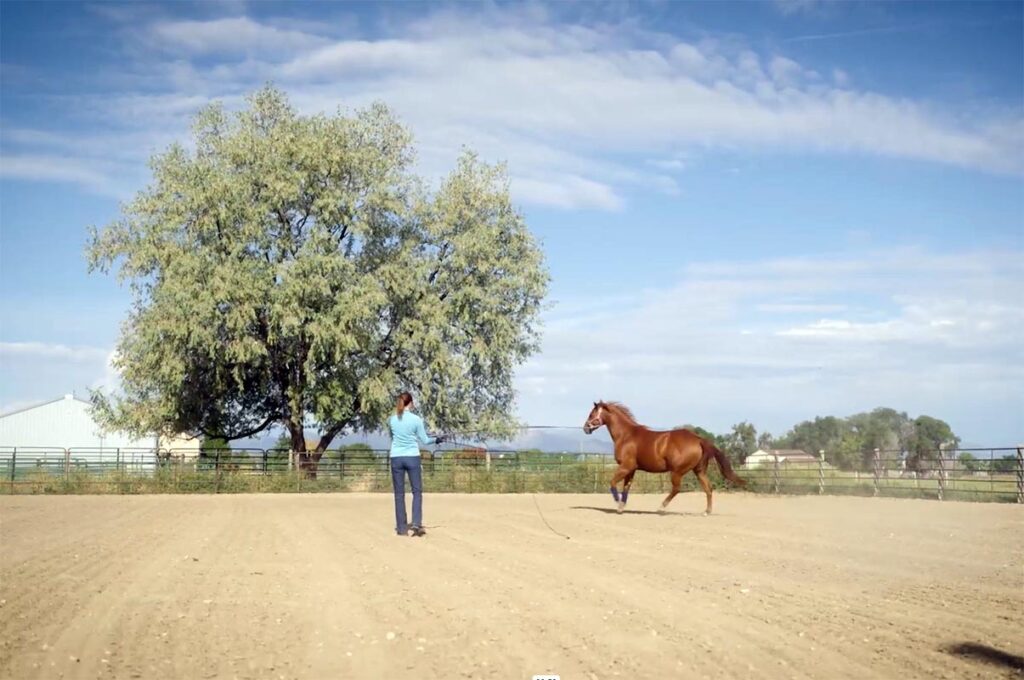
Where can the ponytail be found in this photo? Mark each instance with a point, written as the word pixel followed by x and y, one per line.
pixel 404 399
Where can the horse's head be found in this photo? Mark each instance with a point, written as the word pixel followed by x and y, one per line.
pixel 596 418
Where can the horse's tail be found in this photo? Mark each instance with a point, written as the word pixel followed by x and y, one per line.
pixel 723 463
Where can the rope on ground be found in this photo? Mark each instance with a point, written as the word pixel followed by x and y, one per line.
pixel 533 495
pixel 537 505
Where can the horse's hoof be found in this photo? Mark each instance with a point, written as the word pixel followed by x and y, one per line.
pixel 622 506
pixel 706 513
pixel 661 510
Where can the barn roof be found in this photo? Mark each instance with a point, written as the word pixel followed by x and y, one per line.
pixel 784 453
pixel 43 403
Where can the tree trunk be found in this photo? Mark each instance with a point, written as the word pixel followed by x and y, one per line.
pixel 305 461
pixel 308 463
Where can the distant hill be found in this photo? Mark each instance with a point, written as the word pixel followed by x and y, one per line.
pixel 552 441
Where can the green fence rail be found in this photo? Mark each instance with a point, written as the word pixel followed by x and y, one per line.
pixel 986 475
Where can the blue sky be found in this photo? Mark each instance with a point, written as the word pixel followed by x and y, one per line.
pixel 763 212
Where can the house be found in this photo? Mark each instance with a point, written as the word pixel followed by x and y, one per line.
pixel 785 457
pixel 44 431
pixel 475 455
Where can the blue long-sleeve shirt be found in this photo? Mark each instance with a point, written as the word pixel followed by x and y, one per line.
pixel 406 434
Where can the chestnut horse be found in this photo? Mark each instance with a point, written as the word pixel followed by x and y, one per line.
pixel 640 448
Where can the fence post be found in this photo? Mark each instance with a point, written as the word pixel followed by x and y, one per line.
pixel 216 468
pixel 877 470
pixel 14 466
pixel 1020 474
pixel 821 472
pixel 67 465
pixel 120 471
pixel 942 475
pixel 775 474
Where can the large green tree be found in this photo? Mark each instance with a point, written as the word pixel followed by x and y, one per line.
pixel 293 270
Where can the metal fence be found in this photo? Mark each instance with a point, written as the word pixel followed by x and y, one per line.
pixel 995 474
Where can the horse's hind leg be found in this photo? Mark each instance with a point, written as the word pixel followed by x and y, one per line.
pixel 677 477
pixel 702 476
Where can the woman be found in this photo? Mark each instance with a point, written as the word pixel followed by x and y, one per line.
pixel 406 434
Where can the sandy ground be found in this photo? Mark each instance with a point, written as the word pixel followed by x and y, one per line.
pixel 304 586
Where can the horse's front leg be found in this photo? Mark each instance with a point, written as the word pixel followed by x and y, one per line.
pixel 626 483
pixel 620 475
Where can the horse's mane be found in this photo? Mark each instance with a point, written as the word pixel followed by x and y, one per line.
pixel 622 410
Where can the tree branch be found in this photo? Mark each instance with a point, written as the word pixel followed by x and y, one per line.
pixel 242 435
pixel 332 432
pixel 286 224
pixel 328 436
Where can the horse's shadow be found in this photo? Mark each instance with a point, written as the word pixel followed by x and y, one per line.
pixel 613 511
pixel 986 654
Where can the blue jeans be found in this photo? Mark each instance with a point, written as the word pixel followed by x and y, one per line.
pixel 399 466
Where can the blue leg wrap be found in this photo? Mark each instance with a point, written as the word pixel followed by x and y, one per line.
pixel 625 496
pixel 615 494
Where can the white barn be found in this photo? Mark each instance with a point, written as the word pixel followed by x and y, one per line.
pixel 785 456
pixel 45 431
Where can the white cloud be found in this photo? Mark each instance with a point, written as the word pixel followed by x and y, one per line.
pixel 924 332
pixel 32 372
pixel 670 164
pixel 53 168
pixel 31 350
pixel 233 34
pixel 363 59
pixel 798 6
pixel 110 381
pixel 568 105
pixel 566 192
pixel 798 308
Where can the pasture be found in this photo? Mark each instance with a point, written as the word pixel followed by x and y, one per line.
pixel 318 586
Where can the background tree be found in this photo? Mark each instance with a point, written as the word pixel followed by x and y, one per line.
pixel 1003 464
pixel 969 462
pixel 739 443
pixel 701 432
pixel 831 434
pixel 283 445
pixel 291 270
pixel 209 446
pixel 931 438
pixel 850 442
pixel 357 452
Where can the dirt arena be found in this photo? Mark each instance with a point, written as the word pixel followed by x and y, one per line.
pixel 318 586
